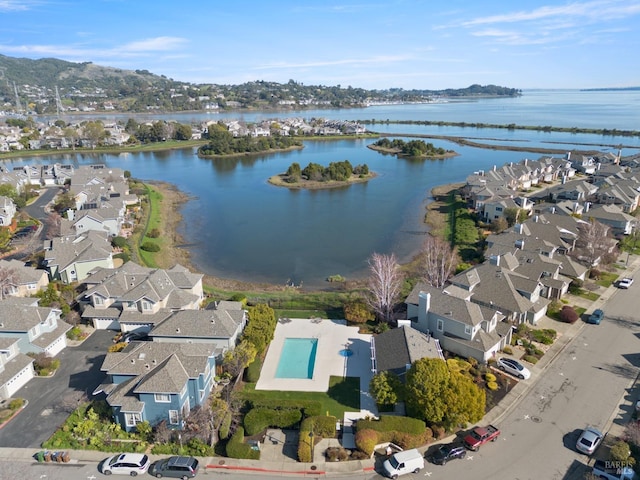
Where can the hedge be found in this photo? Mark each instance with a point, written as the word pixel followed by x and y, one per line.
pixel 252 372
pixel 310 408
pixel 393 423
pixel 223 431
pixel 260 418
pixel 236 448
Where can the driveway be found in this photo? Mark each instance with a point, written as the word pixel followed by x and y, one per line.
pixel 49 397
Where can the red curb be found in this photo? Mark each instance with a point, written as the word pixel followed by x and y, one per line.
pixel 265 470
pixel 369 469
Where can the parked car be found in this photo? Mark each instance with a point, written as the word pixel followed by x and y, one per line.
pixel 448 452
pixel 407 461
pixel 625 282
pixel 481 435
pixel 596 317
pixel 175 467
pixel 513 367
pixel 589 440
pixel 126 464
pixel 133 336
pixel 610 470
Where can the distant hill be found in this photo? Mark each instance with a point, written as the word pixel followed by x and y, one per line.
pixel 86 86
pixel 610 89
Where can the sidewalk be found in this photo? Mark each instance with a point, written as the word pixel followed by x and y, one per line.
pixel 288 466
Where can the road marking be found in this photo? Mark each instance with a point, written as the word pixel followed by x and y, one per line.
pixel 542 397
pixel 561 374
pixel 526 417
pixel 92 477
pixel 427 474
pixel 573 358
pixel 470 457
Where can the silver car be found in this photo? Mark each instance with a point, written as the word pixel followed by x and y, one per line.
pixel 514 367
pixel 126 464
pixel 589 440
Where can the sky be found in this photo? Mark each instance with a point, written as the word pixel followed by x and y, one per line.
pixel 371 44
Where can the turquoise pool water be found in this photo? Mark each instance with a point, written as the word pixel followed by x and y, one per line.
pixel 298 358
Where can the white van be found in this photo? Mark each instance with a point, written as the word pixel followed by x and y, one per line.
pixel 407 461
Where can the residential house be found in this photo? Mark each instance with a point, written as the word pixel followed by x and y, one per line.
pixel 496 285
pixel 397 349
pixel 462 327
pixel 24 281
pixel 133 297
pixel 220 326
pixel 612 215
pixel 7 211
pixel 16 368
pixel 36 329
pixel 156 382
pixel 70 259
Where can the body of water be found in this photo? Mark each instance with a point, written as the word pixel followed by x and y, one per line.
pixel 238 226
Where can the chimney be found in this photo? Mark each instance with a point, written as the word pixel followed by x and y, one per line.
pixel 519 228
pixel 568 155
pixel 494 168
pixel 525 161
pixel 494 260
pixel 575 207
pixel 536 218
pixel 424 303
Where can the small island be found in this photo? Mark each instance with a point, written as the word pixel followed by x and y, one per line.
pixel 315 177
pixel 413 149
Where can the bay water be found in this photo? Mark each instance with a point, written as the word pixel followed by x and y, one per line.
pixel 238 226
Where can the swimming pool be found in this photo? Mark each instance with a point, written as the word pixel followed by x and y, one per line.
pixel 298 358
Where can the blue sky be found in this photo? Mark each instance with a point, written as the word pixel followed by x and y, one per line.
pixel 371 44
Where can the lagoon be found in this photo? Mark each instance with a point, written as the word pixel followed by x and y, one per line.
pixel 238 226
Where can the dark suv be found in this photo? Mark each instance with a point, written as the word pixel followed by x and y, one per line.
pixel 448 452
pixel 175 467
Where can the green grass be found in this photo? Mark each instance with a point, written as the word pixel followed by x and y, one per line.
pixel 592 296
pixel 154 221
pixel 343 395
pixel 607 279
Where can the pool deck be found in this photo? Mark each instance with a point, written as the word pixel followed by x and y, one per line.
pixel 333 336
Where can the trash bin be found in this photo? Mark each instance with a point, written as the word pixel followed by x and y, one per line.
pixel 47 456
pixel 40 456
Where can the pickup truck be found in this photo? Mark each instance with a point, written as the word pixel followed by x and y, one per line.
pixel 481 435
pixel 613 470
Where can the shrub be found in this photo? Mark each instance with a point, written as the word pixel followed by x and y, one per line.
pixel 620 452
pixel 594 274
pixel 117 347
pixel 74 334
pixel 545 336
pixel 119 242
pixel 225 426
pixel 260 418
pixel 236 448
pixel 125 257
pixel 530 358
pixel 508 350
pixel 493 386
pixel 252 372
pixel 16 403
pixel 366 440
pixel 575 287
pixel 438 431
pixel 568 314
pixel 336 278
pixel 490 377
pixel 153 233
pixel 150 247
pixel 336 454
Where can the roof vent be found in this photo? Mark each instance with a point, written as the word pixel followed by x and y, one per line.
pixel 147 366
pixel 177 330
pixel 133 361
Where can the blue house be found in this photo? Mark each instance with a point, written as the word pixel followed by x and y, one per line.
pixel 151 381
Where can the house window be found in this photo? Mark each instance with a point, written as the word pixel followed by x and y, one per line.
pixel 440 325
pixel 174 417
pixel 32 286
pixel 162 398
pixel 467 329
pixel 132 419
pixel 98 300
pixel 146 305
pixel 498 209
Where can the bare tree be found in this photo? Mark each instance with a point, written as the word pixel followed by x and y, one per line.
pixel 72 401
pixel 385 284
pixel 440 260
pixel 53 224
pixel 593 242
pixel 8 277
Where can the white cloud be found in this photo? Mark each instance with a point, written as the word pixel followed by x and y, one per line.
pixel 592 11
pixel 330 63
pixel 17 5
pixel 156 44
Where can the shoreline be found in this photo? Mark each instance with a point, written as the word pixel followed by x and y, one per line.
pixel 398 153
pixel 278 181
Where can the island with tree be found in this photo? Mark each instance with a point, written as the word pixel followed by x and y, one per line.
pixel 413 148
pixel 315 176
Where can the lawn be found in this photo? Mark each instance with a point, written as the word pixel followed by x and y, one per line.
pixel 343 395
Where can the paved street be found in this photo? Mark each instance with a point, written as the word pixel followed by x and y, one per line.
pixel 79 372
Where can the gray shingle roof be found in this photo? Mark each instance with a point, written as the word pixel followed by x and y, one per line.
pixel 402 346
pixel 200 324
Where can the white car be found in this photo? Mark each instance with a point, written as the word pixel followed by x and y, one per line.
pixel 126 464
pixel 513 367
pixel 625 282
pixel 589 440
